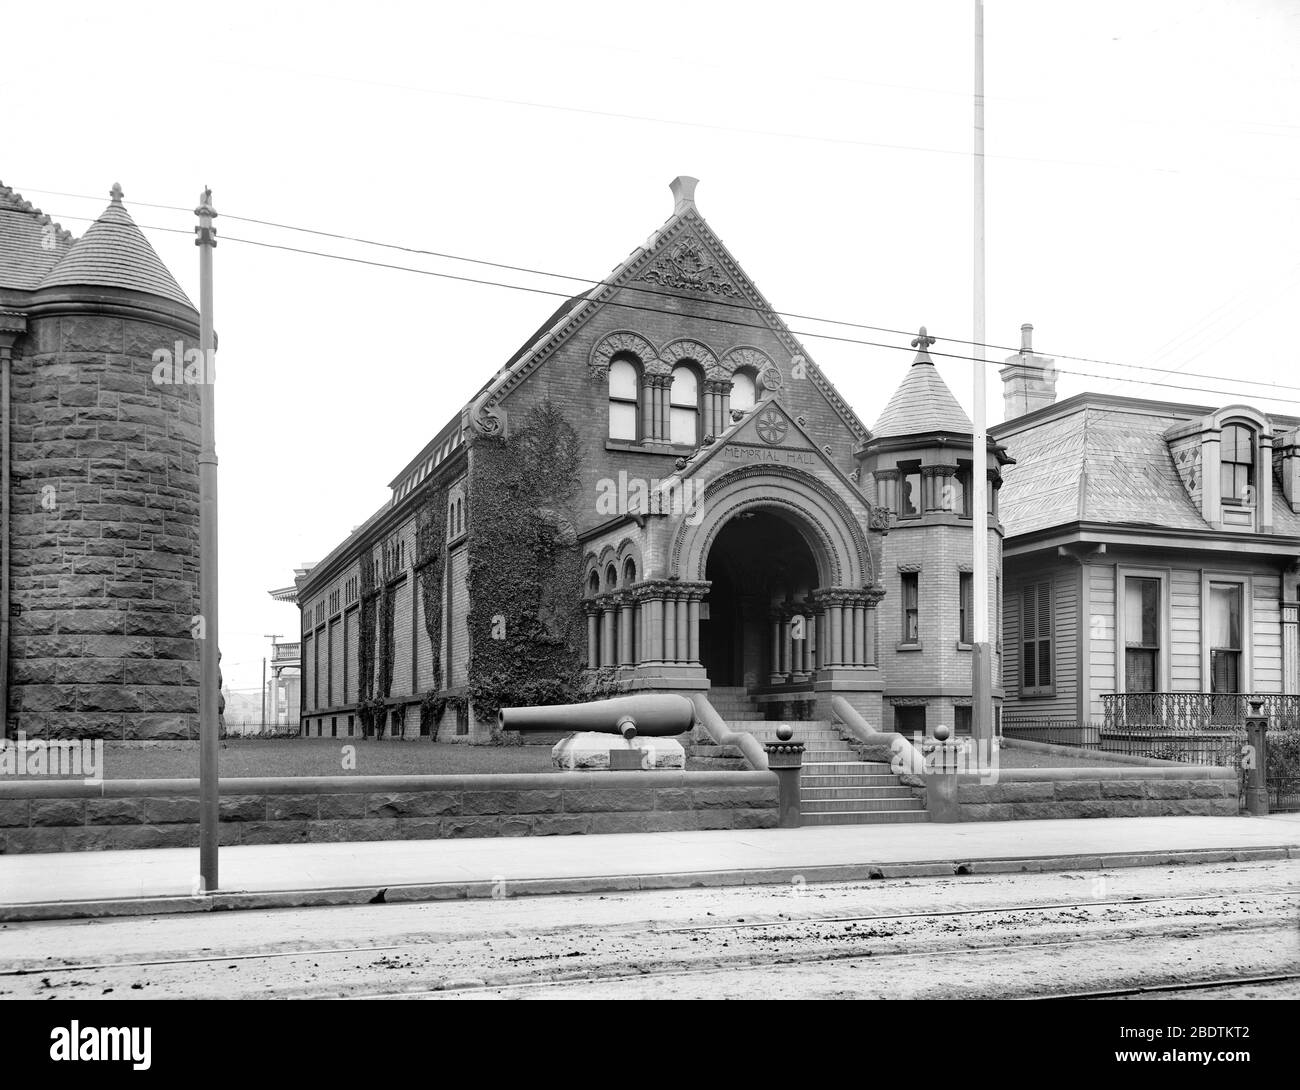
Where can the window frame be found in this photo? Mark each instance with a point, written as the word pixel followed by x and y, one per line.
pixel 905 470
pixel 965 609
pixel 912 580
pixel 696 408
pixel 1037 689
pixel 1246 663
pixel 638 432
pixel 1252 442
pixel 1162 671
pixel 752 378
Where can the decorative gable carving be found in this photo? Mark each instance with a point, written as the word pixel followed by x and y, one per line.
pixel 686 267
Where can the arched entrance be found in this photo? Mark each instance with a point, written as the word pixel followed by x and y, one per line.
pixel 761 574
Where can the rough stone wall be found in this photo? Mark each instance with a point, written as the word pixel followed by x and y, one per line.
pixel 104 534
pixel 164 813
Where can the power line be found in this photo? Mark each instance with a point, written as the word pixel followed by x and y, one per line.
pixel 750 325
pixel 672 295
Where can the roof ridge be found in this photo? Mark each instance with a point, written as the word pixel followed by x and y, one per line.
pixel 22 204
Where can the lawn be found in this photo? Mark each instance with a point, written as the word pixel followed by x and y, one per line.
pixel 323 757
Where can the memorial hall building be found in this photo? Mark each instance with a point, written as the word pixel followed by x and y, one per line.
pixel 660 490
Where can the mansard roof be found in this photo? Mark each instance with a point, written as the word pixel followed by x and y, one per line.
pixel 922 403
pixel 31 243
pixel 1105 460
pixel 113 253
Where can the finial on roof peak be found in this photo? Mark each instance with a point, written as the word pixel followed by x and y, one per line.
pixel 683 187
pixel 921 342
pixel 116 193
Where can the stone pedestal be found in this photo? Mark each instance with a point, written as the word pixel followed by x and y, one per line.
pixel 588 751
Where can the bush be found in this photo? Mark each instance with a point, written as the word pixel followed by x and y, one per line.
pixel 1283 765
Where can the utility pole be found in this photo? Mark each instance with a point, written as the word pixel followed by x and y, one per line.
pixel 209 723
pixel 981 661
pixel 272 636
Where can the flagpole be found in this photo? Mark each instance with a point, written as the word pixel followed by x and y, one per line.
pixel 209 722
pixel 981 677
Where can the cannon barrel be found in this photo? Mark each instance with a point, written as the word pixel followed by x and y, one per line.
pixel 653 714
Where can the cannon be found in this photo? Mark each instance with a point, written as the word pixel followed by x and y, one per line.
pixel 650 714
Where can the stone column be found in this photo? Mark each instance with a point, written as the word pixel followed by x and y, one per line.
pixel 625 657
pixel 607 632
pixel 653 611
pixel 859 633
pixel 787 648
pixel 822 646
pixel 647 407
pixel 810 657
pixel 683 626
pixel 774 623
pixel 870 624
pixel 835 623
pixel 593 636
pixel 670 628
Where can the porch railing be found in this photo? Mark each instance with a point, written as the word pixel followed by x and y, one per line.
pixel 1195 712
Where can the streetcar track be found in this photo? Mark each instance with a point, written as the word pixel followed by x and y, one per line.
pixel 745 966
pixel 624 930
pixel 1187 986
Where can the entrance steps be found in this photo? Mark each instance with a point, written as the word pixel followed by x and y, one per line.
pixel 835 788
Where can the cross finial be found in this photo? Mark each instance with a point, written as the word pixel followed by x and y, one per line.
pixel 922 340
pixel 116 193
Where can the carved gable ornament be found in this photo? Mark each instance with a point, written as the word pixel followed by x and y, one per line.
pixel 687 266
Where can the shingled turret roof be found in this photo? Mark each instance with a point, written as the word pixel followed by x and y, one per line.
pixel 31 244
pixel 922 403
pixel 113 253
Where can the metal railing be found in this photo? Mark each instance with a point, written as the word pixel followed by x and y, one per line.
pixel 1195 711
pixel 1214 746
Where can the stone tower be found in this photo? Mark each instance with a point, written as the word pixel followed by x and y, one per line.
pixel 100 567
pixel 919 458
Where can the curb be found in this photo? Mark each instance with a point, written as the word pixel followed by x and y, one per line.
pixel 534 887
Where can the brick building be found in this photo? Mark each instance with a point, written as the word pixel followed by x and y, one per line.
pixel 659 490
pixel 99 575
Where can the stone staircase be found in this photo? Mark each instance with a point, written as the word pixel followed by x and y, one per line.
pixel 835 788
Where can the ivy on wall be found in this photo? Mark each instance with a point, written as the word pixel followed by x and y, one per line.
pixel 369 595
pixel 430 565
pixel 527 628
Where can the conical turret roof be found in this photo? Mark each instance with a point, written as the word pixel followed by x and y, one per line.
pixel 922 403
pixel 113 253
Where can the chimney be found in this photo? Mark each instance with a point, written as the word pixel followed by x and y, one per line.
pixel 1028 381
pixel 683 187
pixel 1286 458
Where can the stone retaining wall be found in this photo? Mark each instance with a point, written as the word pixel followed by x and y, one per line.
pixel 1026 793
pixel 68 815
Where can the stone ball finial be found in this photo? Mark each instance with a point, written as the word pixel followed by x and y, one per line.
pixel 941 733
pixel 116 193
pixel 784 732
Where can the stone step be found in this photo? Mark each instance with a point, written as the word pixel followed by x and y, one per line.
pixel 825 756
pixel 851 806
pixel 845 768
pixel 867 817
pixel 883 780
pixel 855 791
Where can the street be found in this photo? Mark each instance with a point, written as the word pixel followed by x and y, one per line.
pixel 1214 930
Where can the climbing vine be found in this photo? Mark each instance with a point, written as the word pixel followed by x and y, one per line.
pixel 366 644
pixel 430 565
pixel 527 628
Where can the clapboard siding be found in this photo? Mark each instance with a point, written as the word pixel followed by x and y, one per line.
pixel 1100 634
pixel 1266 634
pixel 1185 631
pixel 1065 653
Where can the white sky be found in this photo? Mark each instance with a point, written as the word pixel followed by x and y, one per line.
pixel 1143 199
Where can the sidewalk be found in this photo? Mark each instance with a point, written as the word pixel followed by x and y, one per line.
pixel 85 884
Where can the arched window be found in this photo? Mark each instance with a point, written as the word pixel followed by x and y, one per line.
pixel 624 400
pixel 629 572
pixel 611 577
pixel 743 391
pixel 593 584
pixel 684 404
pixel 1237 465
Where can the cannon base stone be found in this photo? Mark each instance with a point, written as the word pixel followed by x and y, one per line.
pixel 588 751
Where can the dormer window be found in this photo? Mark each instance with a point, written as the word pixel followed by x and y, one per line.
pixel 624 400
pixel 1237 465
